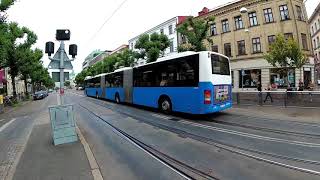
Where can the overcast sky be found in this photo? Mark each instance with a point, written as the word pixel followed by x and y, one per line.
pixel 85 17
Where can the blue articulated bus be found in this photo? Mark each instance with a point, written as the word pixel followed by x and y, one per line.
pixel 189 82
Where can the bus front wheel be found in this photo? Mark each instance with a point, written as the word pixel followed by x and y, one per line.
pixel 165 105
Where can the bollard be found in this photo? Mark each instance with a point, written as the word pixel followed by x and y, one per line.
pixel 238 98
pixel 1 104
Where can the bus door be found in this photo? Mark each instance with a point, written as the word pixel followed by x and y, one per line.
pixel 127 85
pixel 103 86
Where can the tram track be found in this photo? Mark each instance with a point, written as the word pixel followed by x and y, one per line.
pixel 278 131
pixel 250 153
pixel 177 166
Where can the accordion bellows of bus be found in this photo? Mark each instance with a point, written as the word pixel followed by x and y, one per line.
pixel 188 82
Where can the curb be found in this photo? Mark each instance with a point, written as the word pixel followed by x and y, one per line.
pixel 95 170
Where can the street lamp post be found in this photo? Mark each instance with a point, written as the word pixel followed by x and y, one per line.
pixel 243 10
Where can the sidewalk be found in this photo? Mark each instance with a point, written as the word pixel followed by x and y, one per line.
pixel 281 113
pixel 41 160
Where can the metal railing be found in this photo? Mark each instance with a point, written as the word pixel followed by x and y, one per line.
pixel 309 99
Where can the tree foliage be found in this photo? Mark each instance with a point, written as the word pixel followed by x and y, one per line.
pixel 4 5
pixel 125 58
pixel 196 32
pixel 285 53
pixel 152 46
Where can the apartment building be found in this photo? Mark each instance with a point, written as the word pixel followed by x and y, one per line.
pixel 168 28
pixel 245 37
pixel 94 57
pixel 314 25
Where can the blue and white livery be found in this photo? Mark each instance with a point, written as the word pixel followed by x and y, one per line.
pixel 189 82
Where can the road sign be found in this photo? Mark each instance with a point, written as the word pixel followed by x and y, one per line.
pixel 55 61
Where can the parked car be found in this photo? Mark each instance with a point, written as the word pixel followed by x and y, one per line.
pixel 39 95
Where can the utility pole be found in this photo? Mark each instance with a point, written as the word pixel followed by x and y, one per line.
pixel 61 72
pixel 62 116
pixel 61 60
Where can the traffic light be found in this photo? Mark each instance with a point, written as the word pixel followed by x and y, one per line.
pixel 63 34
pixel 73 50
pixel 49 48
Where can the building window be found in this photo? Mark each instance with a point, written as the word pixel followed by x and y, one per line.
pixel 287 36
pixel 312 30
pixel 256 45
pixel 171 46
pixel 268 16
pixel 249 78
pixel 304 41
pixel 317 45
pixel 131 45
pixel 161 31
pixel 241 47
pixel 225 26
pixel 215 48
pixel 314 44
pixel 271 39
pixel 238 22
pixel 213 29
pixel 253 19
pixel 227 49
pixel 280 79
pixel 315 26
pixel 299 13
pixel 170 29
pixel 284 12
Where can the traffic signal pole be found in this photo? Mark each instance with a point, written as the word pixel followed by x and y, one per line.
pixel 61 72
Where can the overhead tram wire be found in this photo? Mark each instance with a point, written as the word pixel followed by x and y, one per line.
pixel 107 20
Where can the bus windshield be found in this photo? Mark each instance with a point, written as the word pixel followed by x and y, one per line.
pixel 220 65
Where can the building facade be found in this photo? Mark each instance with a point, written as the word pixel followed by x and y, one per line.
pixel 168 28
pixel 6 83
pixel 314 25
pixel 94 57
pixel 119 49
pixel 245 37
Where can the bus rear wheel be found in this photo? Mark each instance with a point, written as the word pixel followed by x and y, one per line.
pixel 165 105
pixel 117 98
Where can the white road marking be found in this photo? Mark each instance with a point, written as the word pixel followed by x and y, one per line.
pixel 95 170
pixel 7 124
pixel 252 135
pixel 76 94
pixel 161 116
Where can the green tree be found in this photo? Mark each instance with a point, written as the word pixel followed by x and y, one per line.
pixel 152 46
pixel 67 84
pixel 196 33
pixel 29 60
pixel 14 52
pixel 285 54
pixel 4 5
pixel 126 58
pixel 80 78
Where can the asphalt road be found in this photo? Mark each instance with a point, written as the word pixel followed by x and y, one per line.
pixel 263 149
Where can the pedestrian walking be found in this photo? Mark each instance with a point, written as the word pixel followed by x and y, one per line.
pixel 268 94
pixel 300 85
pixel 259 88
